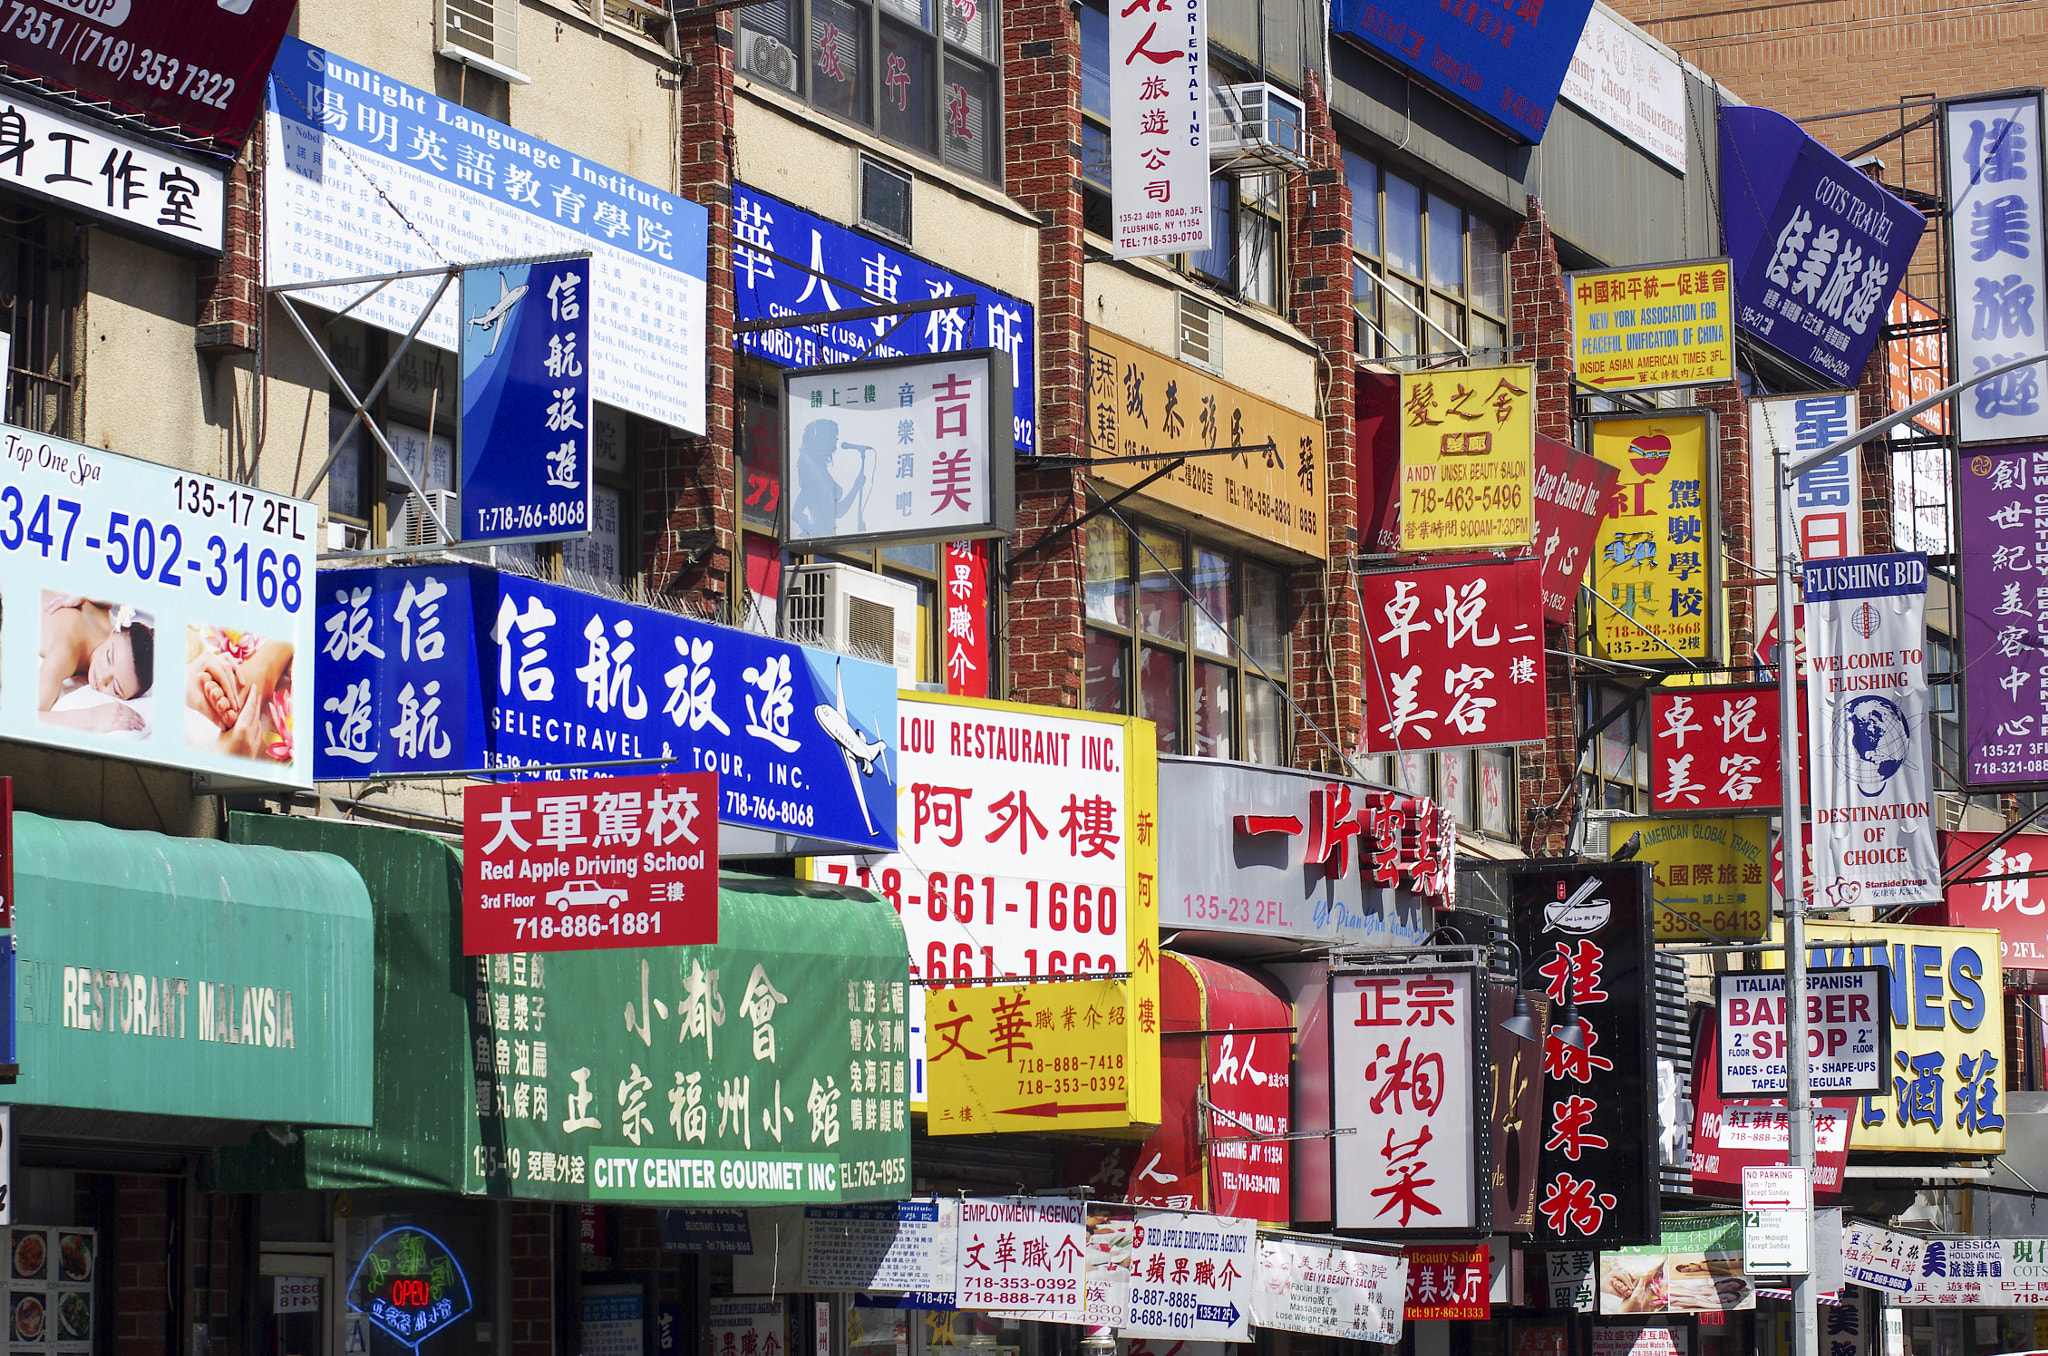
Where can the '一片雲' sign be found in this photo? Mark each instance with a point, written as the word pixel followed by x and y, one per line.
pixel 1847 1037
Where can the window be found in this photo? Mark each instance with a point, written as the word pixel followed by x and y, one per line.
pixel 1178 632
pixel 1476 787
pixel 1615 772
pixel 1426 275
pixel 921 73
pixel 42 275
pixel 885 199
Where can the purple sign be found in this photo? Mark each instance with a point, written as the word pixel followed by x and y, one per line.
pixel 1504 62
pixel 2004 498
pixel 1818 248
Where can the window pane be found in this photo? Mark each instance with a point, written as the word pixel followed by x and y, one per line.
pixel 1365 303
pixel 838 52
pixel 1488 333
pixel 1214 685
pixel 1162 607
pixel 1214 262
pixel 1455 781
pixel 1496 775
pixel 1094 153
pixel 1489 268
pixel 1446 245
pixel 1265 723
pixel 1265 637
pixel 970 24
pixel 1362 177
pixel 1620 797
pixel 1095 61
pixel 970 131
pixel 1449 330
pixel 1402 325
pixel 1212 587
pixel 345 479
pixel 923 556
pixel 906 113
pixel 917 11
pixel 1411 773
pixel 760 457
pixel 1109 580
pixel 1404 225
pixel 1258 257
pixel 1617 745
pixel 1106 673
pixel 1159 684
pixel 597 556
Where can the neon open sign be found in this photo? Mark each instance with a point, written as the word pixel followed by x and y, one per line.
pixel 410 1285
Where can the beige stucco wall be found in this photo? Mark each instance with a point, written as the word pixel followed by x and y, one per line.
pixel 1265 356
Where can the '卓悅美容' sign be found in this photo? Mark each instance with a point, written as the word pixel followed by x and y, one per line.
pixel 1454 655
pixel 1847 1037
pixel 1996 239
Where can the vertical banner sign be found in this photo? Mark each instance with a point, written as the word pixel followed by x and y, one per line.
pixel 1468 442
pixel 1665 325
pixel 1158 118
pixel 1404 1047
pixel 1996 243
pixel 526 401
pixel 1657 572
pixel 1455 657
pixel 2004 599
pixel 1572 494
pixel 1717 749
pixel 1587 931
pixel 1827 500
pixel 1867 710
pixel 965 585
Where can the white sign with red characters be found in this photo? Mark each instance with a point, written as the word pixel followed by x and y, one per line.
pixel 1401 1071
pixel 1159 118
pixel 1192 1277
pixel 1715 749
pixel 584 865
pixel 1024 1256
pixel 1454 657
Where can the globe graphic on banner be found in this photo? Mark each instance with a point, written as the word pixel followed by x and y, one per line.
pixel 1878 742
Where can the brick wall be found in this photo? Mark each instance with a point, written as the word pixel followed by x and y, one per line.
pixel 231 287
pixel 142 1275
pixel 533 1279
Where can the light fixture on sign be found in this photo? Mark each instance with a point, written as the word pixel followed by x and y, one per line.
pixel 1521 1025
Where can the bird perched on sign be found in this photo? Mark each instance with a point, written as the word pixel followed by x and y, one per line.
pixel 1627 851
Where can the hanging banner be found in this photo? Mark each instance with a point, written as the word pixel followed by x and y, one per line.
pixel 1880 1258
pixel 1024 1256
pixel 1159 128
pixel 1664 325
pixel 1447 1283
pixel 1709 875
pixel 1468 442
pixel 1192 1277
pixel 1867 708
pixel 1827 500
pixel 1657 572
pixel 1572 494
pixel 1996 241
pixel 2002 494
pixel 1330 1292
pixel 964 583
pixel 1454 657
pixel 1996 893
pixel 1716 749
pixel 1696 1267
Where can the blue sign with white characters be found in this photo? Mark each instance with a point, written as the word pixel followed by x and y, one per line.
pixel 442 668
pixel 1506 62
pixel 526 401
pixel 764 289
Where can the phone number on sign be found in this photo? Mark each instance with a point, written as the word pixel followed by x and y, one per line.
pixel 870 1172
pixel 89 46
pixel 528 517
pixel 587 925
pixel 151 550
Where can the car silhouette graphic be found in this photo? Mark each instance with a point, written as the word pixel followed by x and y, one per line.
pixel 579 893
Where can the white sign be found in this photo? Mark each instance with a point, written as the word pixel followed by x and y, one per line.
pixel 1826 501
pixel 1867 715
pixel 894 1246
pixel 1022 1256
pixel 153 614
pixel 295 1295
pixel 1569 1279
pixel 1192 1277
pixel 1107 1299
pixel 124 180
pixel 1623 79
pixel 1995 246
pixel 756 1325
pixel 1986 1273
pixel 1880 1258
pixel 1630 1341
pixel 1401 1059
pixel 1845 1033
pixel 1330 1292
pixel 1159 135
pixel 1776 1189
pixel 1827 1250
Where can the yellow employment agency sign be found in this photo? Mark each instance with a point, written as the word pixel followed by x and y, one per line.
pixel 1664 325
pixel 1006 1057
pixel 1710 875
pixel 1655 567
pixel 1144 404
pixel 1468 443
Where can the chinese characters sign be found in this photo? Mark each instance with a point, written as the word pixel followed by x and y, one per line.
pixel 1023 1256
pixel 1708 873
pixel 1586 931
pixel 1981 1273
pixel 1032 1057
pixel 1665 325
pixel 1330 1292
pixel 1143 404
pixel 1995 246
pixel 905 449
pixel 1448 1282
pixel 1159 121
pixel 1506 65
pixel 1716 748
pixel 1827 500
pixel 409 1285
pixel 1454 657
pixel 1572 494
pixel 127 181
pixel 526 416
pixel 1984 898
pixel 1467 443
pixel 1846 1035
pixel 1191 1277
pixel 620 861
pixel 1657 570
pixel 964 591
pixel 1634 86
pixel 2004 604
pixel 1728 1136
pixel 477 189
pixel 1881 1259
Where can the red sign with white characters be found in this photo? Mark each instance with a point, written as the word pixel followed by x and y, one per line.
pixel 1572 489
pixel 1996 893
pixel 966 594
pixel 1730 1136
pixel 1247 1070
pixel 1454 657
pixel 1447 1282
pixel 1715 749
pixel 586 865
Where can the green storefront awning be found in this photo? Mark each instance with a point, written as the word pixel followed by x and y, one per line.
pixel 188 977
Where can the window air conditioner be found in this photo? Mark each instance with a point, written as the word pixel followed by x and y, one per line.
pixel 767 57
pixel 346 536
pixel 853 611
pixel 483 34
pixel 1256 127
pixel 412 525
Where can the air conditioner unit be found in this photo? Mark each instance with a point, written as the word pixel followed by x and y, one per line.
pixel 483 34
pixel 1596 841
pixel 412 525
pixel 767 57
pixel 1256 127
pixel 346 536
pixel 855 612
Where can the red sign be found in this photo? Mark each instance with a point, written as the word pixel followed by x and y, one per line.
pixel 1454 657
pixel 1447 1282
pixel 585 865
pixel 2018 908
pixel 1402 840
pixel 966 642
pixel 1716 749
pixel 1247 1070
pixel 1730 1136
pixel 1572 488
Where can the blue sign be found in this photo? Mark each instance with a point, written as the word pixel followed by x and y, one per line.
pixel 764 289
pixel 1506 61
pixel 1817 248
pixel 435 669
pixel 526 401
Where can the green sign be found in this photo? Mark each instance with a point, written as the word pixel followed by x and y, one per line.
pixel 1715 1231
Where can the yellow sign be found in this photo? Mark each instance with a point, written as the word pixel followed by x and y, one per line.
pixel 1142 404
pixel 1711 875
pixel 1949 1068
pixel 1654 562
pixel 1006 1057
pixel 1468 443
pixel 1669 325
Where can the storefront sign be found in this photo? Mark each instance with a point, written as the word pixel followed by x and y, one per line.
pixel 1144 404
pixel 1826 501
pixel 2004 677
pixel 1192 1277
pixel 1708 873
pixel 1330 1292
pixel 723 1231
pixel 1696 1267
pixel 131 183
pixel 409 1285
pixel 1248 1084
pixel 610 862
pixel 1569 1280
pixel 1505 66
pixel 1663 325
pixel 1639 1341
pixel 896 450
pixel 1028 1057
pixel 1572 494
pixel 1986 896
pixel 964 584
pixel 1454 657
pixel 1981 1273
pixel 1159 118
pixel 345 140
pixel 1635 87
pixel 1657 572
pixel 875 1247
pixel 1846 1032
pixel 758 1326
pixel 765 290
pixel 1730 1136
pixel 1404 1049
pixel 1867 708
pixel 1587 932
pixel 440 668
pixel 1716 749
pixel 1881 1259
pixel 1818 248
pixel 1996 242
pixel 1447 1283
pixel 1516 1097
pixel 1023 1256
pixel 1468 442
pixel 526 416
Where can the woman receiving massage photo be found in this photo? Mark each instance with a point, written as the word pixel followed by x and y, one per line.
pixel 106 647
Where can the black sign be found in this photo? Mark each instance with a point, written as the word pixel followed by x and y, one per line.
pixel 1585 932
pixel 1517 1099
